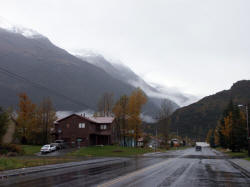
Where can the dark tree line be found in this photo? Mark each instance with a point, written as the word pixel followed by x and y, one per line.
pixel 231 130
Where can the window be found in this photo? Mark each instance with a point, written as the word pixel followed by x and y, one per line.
pixel 81 125
pixel 103 127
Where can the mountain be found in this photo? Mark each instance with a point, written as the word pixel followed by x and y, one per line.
pixel 34 65
pixel 196 119
pixel 38 60
pixel 125 74
pixel 28 33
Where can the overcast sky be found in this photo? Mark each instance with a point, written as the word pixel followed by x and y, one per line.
pixel 198 46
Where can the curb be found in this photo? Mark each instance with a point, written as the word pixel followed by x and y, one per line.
pixel 236 166
pixel 242 170
pixel 32 170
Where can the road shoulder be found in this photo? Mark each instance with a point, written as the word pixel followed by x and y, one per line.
pixel 36 169
pixel 241 164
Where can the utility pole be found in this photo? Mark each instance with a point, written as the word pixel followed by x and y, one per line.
pixel 156 142
pixel 247 122
pixel 248 139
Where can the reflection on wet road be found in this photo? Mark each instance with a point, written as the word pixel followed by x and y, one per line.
pixel 185 168
pixel 175 168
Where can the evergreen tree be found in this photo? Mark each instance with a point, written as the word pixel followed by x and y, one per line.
pixel 210 138
pixel 232 128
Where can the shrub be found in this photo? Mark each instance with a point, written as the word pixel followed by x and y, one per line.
pixel 11 149
pixel 4 118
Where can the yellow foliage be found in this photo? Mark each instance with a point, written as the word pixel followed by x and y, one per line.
pixel 136 100
pixel 26 116
pixel 127 114
pixel 227 129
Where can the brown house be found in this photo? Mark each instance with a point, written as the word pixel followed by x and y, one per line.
pixel 84 131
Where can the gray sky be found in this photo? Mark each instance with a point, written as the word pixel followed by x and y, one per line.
pixel 197 46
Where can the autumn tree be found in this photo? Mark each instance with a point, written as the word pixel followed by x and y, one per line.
pixel 136 100
pixel 219 139
pixel 120 110
pixel 46 116
pixel 26 119
pixel 105 104
pixel 163 119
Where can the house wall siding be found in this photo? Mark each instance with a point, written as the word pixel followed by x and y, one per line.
pixel 70 130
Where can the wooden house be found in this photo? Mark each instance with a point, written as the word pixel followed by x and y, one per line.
pixel 84 131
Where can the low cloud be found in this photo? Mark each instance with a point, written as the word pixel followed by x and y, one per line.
pixel 147 118
pixel 63 114
pixel 89 113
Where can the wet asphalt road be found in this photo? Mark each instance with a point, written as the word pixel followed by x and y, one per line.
pixel 174 168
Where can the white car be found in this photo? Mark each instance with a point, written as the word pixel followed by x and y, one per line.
pixel 53 147
pixel 48 148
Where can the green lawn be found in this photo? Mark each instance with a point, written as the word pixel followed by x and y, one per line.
pixel 110 151
pixel 243 154
pixel 31 149
pixel 7 163
pixel 248 158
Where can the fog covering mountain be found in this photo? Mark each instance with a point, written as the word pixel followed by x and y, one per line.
pixel 54 72
pixel 125 74
pixel 28 33
pixel 196 119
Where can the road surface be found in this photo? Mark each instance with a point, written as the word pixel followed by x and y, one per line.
pixel 174 168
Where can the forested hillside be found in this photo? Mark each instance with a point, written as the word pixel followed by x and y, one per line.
pixel 196 119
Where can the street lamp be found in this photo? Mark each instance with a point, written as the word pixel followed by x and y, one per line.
pixel 247 127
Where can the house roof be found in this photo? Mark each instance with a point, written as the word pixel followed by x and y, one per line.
pixel 91 119
pixel 102 119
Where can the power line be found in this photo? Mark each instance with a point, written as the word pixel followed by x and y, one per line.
pixel 37 85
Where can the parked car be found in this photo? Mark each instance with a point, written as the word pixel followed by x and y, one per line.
pixel 47 148
pixel 198 148
pixel 57 145
pixel 61 143
pixel 53 147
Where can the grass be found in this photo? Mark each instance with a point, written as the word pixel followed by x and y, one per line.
pixel 7 163
pixel 248 158
pixel 31 149
pixel 29 160
pixel 111 151
pixel 243 154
